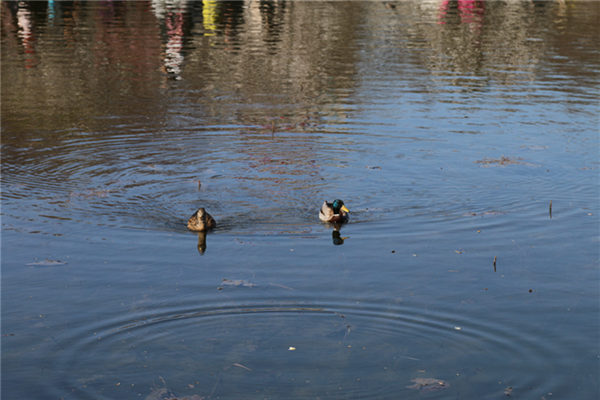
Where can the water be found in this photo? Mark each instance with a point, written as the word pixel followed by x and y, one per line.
pixel 446 127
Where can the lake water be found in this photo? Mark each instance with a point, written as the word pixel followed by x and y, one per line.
pixel 463 137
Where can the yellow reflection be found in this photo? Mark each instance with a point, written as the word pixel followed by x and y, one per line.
pixel 209 17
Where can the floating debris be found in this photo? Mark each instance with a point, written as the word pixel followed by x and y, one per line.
pixel 91 193
pixel 279 285
pixel 163 393
pixel 409 358
pixel 47 262
pixel 483 213
pixel 241 366
pixel 160 393
pixel 237 282
pixel 488 162
pixel 550 209
pixel 495 263
pixel 535 147
pixel 428 384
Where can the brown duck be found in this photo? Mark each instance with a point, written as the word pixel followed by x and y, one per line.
pixel 201 221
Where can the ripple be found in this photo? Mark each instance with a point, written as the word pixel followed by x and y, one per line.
pixel 147 179
pixel 344 350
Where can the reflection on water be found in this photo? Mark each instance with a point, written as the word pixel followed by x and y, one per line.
pixel 463 133
pixel 338 239
pixel 201 242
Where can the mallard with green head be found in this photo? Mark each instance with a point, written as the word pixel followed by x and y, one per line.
pixel 335 211
pixel 201 221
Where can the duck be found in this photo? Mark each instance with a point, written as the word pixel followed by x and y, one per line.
pixel 335 212
pixel 201 221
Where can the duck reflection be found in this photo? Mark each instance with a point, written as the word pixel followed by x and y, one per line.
pixel 336 235
pixel 201 242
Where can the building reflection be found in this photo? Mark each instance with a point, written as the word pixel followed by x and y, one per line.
pixel 468 11
pixel 269 67
pixel 171 15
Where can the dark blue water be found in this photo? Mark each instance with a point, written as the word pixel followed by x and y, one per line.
pixel 463 137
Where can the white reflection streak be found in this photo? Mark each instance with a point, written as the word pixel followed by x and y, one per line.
pixel 24 22
pixel 173 49
pixel 171 14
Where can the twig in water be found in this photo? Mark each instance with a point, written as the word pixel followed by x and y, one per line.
pixel 214 388
pixel 242 366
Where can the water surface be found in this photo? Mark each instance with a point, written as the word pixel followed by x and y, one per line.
pixel 447 127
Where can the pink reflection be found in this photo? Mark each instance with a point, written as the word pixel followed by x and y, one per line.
pixel 470 11
pixel 174 46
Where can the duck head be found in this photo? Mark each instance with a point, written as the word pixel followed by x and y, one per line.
pixel 338 205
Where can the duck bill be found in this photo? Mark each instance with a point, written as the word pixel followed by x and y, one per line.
pixel 344 209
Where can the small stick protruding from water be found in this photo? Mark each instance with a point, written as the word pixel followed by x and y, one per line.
pixel 550 209
pixel 494 263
